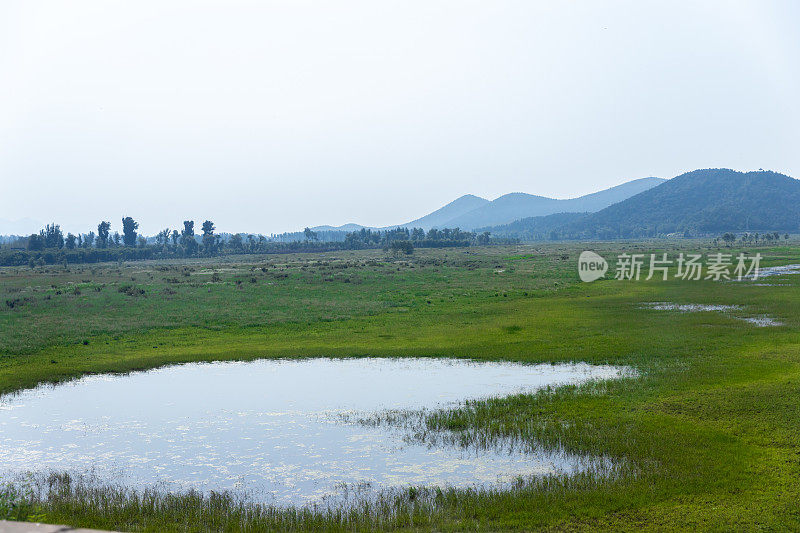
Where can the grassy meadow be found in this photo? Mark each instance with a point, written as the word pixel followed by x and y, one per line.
pixel 707 435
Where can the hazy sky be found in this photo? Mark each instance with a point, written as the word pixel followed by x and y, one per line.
pixel 270 116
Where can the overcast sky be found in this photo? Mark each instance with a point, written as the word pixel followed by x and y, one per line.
pixel 270 116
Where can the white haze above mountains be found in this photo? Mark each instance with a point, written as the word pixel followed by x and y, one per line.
pixel 470 212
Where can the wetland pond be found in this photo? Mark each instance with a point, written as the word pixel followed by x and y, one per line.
pixel 283 432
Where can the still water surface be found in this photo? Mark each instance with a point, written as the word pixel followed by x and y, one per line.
pixel 272 429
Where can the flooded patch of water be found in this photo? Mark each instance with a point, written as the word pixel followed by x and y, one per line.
pixel 274 429
pixel 762 321
pixel 767 272
pixel 689 308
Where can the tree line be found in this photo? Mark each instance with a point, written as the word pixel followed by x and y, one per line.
pixel 183 241
pixel 51 245
pixel 750 238
pixel 51 237
pixel 433 238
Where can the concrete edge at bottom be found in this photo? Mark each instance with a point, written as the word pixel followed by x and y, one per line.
pixel 30 527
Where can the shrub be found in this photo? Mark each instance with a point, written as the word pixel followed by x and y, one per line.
pixel 131 290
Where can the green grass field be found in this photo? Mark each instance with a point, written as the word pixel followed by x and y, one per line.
pixel 708 434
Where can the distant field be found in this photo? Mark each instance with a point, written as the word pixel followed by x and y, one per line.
pixel 709 432
pixel 56 305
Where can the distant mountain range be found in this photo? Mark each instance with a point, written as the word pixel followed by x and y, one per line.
pixel 701 202
pixel 534 228
pixel 456 209
pixel 436 219
pixel 514 206
pixel 470 212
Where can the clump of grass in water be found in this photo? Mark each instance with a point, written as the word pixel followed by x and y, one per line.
pixel 81 502
pixel 511 425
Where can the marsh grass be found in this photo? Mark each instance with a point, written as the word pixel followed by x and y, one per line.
pixel 19 502
pixel 64 498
